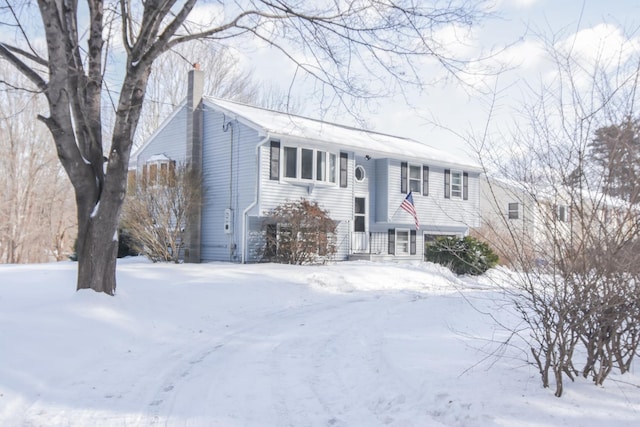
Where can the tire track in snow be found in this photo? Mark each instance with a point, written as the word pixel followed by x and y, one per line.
pixel 315 364
pixel 212 373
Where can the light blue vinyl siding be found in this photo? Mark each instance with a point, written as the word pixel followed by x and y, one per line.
pixel 434 211
pixel 170 140
pixel 229 168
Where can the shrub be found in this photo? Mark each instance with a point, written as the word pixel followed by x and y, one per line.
pixel 462 255
pixel 299 233
pixel 155 212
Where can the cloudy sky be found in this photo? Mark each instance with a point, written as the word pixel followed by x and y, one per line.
pixel 592 28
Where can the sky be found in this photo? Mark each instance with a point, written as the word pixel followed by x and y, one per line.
pixel 445 114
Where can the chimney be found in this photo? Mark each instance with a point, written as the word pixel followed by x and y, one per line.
pixel 195 115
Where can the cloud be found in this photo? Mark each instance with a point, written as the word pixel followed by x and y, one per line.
pixel 205 16
pixel 523 4
pixel 604 45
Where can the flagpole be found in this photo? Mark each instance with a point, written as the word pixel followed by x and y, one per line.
pixel 397 209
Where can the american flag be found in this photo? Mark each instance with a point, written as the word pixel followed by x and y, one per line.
pixel 407 205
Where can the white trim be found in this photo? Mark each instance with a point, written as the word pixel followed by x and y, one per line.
pixel 256 198
pixel 297 180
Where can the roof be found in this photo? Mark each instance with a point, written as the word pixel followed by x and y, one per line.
pixel 284 125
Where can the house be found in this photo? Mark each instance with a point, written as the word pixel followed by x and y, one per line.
pixel 253 159
pixel 530 223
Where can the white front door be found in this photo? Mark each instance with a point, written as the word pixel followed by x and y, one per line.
pixel 360 235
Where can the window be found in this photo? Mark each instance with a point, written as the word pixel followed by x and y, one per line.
pixel 332 168
pixel 359 225
pixel 290 162
pixel 563 213
pixel 307 164
pixel 303 163
pixel 159 170
pixel 415 179
pixel 360 173
pixel 343 169
pixel 153 173
pixel 514 209
pixel 402 242
pixel 456 185
pixel 321 166
pixel 274 163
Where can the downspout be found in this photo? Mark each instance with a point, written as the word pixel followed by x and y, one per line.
pixel 256 199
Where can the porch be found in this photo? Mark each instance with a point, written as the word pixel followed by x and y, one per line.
pixel 374 246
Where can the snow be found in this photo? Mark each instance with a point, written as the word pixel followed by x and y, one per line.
pixel 94 212
pixel 292 127
pixel 348 344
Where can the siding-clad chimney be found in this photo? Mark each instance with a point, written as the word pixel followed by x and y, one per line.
pixel 195 114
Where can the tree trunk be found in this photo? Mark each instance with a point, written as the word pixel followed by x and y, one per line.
pixel 97 258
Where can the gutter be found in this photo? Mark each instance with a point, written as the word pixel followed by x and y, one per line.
pixel 256 198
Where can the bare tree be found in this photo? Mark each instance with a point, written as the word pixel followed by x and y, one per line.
pixel 353 48
pixel 37 223
pixel 573 245
pixel 225 79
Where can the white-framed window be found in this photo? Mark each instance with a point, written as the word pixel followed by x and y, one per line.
pixel 360 173
pixel 159 170
pixel 456 184
pixel 307 164
pixel 321 166
pixel 332 167
pixel 290 162
pixel 415 178
pixel 402 242
pixel 514 210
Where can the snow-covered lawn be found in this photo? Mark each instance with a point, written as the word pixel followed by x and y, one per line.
pixel 350 344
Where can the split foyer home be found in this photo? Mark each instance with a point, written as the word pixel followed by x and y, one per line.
pixel 254 159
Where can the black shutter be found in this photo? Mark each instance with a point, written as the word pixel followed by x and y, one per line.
pixel 403 177
pixel 392 241
pixel 465 186
pixel 447 184
pixel 343 169
pixel 412 241
pixel 425 180
pixel 274 170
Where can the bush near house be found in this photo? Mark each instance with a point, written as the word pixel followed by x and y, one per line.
pixel 155 211
pixel 465 255
pixel 299 233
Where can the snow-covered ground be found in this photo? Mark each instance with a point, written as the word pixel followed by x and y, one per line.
pixel 350 344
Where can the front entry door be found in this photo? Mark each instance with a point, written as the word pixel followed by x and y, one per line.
pixel 360 239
